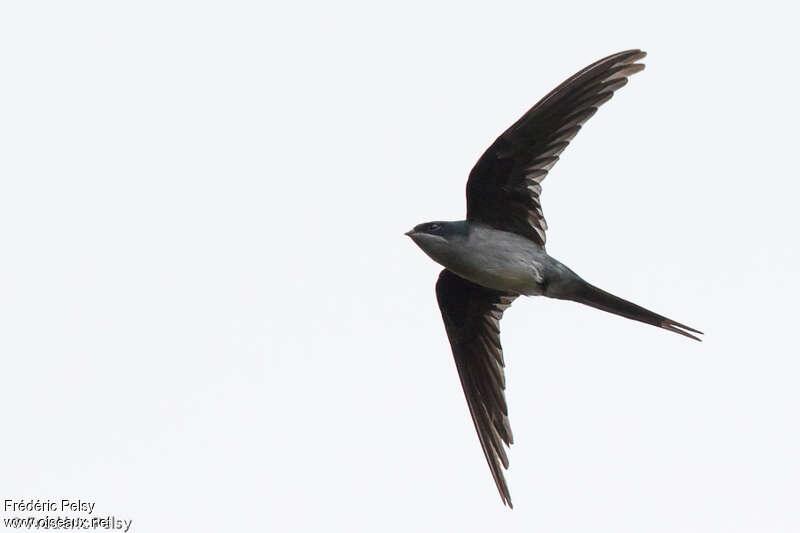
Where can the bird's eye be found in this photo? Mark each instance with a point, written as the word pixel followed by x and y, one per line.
pixel 434 227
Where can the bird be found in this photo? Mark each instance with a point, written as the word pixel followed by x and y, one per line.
pixel 498 252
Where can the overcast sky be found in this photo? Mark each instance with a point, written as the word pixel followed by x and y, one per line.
pixel 210 319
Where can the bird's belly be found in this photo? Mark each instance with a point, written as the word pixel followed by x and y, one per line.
pixel 498 268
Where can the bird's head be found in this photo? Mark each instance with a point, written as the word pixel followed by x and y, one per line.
pixel 437 239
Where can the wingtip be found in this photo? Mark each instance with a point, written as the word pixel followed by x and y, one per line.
pixel 635 55
pixel 506 498
pixel 630 59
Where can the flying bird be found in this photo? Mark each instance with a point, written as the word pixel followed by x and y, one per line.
pixel 498 253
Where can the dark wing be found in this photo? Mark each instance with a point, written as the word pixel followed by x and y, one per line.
pixel 471 315
pixel 504 186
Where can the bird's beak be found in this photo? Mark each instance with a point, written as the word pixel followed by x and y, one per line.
pixel 409 233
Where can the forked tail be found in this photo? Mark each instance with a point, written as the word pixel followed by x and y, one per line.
pixel 590 295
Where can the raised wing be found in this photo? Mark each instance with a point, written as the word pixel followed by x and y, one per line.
pixel 504 185
pixel 471 315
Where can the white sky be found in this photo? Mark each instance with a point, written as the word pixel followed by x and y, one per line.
pixel 210 319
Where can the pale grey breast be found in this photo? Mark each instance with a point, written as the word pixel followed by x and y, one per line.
pixel 500 260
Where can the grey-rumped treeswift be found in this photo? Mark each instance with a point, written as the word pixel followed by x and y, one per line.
pixel 498 252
